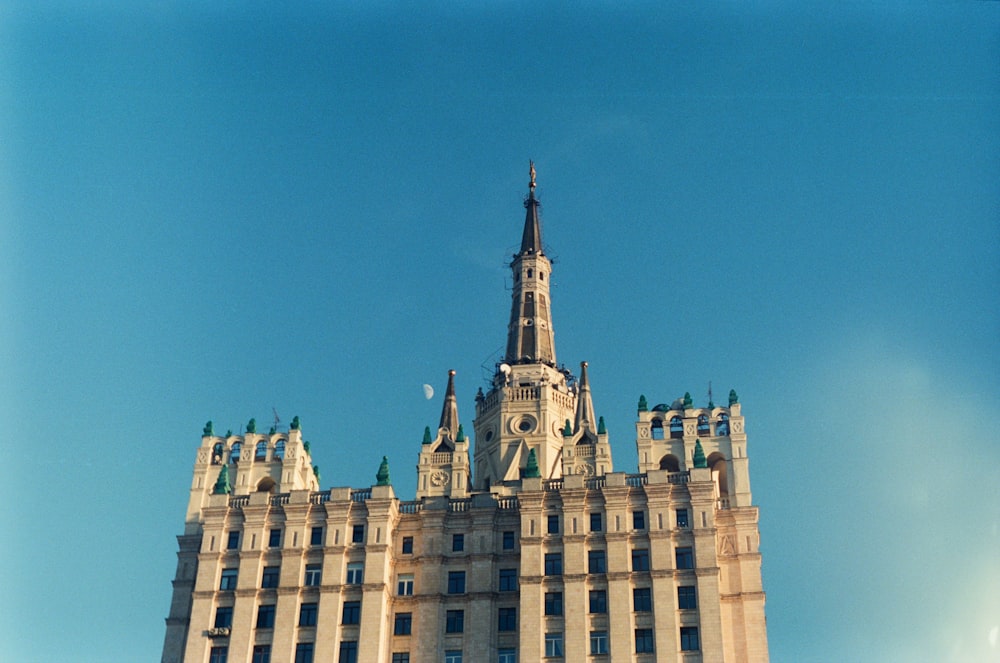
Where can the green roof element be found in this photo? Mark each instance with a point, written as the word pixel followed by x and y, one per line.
pixel 222 486
pixel 295 423
pixel 643 405
pixel 274 429
pixel 229 433
pixel 305 445
pixel 316 472
pixel 687 400
pixel 601 428
pixel 252 426
pixel 461 434
pixel 733 398
pixel 208 430
pixel 699 455
pixel 382 476
pixel 567 430
pixel 427 435
pixel 531 469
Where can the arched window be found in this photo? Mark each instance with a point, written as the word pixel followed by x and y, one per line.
pixel 261 452
pixel 722 425
pixel 217 452
pixel 670 463
pixel 676 428
pixel 529 273
pixel 717 463
pixel 234 452
pixel 657 428
pixel 266 485
pixel 279 450
pixel 703 424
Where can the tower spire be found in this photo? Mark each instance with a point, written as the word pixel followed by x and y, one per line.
pixel 584 403
pixel 531 238
pixel 449 412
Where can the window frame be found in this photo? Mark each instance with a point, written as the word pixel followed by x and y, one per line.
pixel 642 599
pixel 402 623
pixel 265 615
pixel 552 524
pixel 553 564
pixel 596 522
pixel 456 582
pixel 507 581
pixel 260 654
pixel 454 621
pixel 228 579
pixel 553 604
pixel 407 547
pixel 358 534
pixel 597 602
pixel 458 542
pixel 687 597
pixel 597 561
pixel 598 643
pixel 690 640
pixel 640 560
pixel 223 617
pixel 308 614
pixel 506 619
pixel 270 577
pixel 355 573
pixel 313 575
pixel 684 557
pixel 639 520
pixel 644 643
pixel 316 536
pixel 274 538
pixel 554 645
pixel 350 614
pixel 404 584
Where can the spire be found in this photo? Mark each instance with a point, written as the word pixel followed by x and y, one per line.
pixel 382 476
pixel 584 405
pixel 531 238
pixel 449 413
pixel 222 486
pixel 531 468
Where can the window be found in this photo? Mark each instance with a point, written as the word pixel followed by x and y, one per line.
pixel 307 614
pixel 228 579
pixel 407 545
pixel 722 425
pixel 598 642
pixel 403 623
pixel 508 580
pixel 314 575
pixel 265 616
pixel 703 425
pixel 640 559
pixel 657 429
pixel 638 520
pixel 223 617
pixel 404 584
pixel 508 540
pixel 233 542
pixel 553 524
pixel 304 652
pixel 457 542
pixel 507 619
pixel 401 657
pixel 358 534
pixel 456 582
pixel 682 517
pixel 269 579
pixel 274 539
pixel 234 453
pixel 643 641
pixel 553 564
pixel 218 655
pixel 279 450
pixel 685 558
pixel 453 656
pixel 348 652
pixel 598 601
pixel 217 453
pixel 355 573
pixel 316 536
pixel 454 621
pixel 689 638
pixel 597 561
pixel 595 522
pixel 553 603
pixel 352 612
pixel 641 599
pixel 553 644
pixel 261 450
pixel 261 654
pixel 676 428
pixel 507 656
pixel 686 598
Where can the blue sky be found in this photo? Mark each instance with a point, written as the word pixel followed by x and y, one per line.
pixel 210 212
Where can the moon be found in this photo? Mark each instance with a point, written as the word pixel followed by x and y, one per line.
pixel 428 392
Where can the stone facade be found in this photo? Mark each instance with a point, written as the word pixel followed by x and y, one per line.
pixel 543 552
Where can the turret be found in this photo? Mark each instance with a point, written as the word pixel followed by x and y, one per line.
pixel 443 464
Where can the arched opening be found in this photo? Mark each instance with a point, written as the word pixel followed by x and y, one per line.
pixel 234 452
pixel 266 485
pixel 261 451
pixel 722 424
pixel 720 474
pixel 676 428
pixel 279 450
pixel 703 425
pixel 670 463
pixel 217 452
pixel 657 428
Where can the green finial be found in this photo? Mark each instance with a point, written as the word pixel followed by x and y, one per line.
pixel 699 455
pixel 568 429
pixel 274 429
pixel 687 400
pixel 382 476
pixel 222 486
pixel 316 472
pixel 229 433
pixel 531 470
pixel 643 405
pixel 733 398
pixel 252 426
pixel 427 435
pixel 208 431
pixel 461 434
pixel 295 422
pixel 601 429
pixel 305 445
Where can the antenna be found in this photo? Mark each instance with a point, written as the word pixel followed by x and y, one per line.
pixel 711 403
pixel 277 419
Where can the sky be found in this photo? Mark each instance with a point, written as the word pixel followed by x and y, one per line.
pixel 230 210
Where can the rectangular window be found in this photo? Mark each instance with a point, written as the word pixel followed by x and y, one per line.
pixel 233 542
pixel 454 621
pixel 269 579
pixel 316 536
pixel 595 522
pixel 274 539
pixel 223 617
pixel 355 573
pixel 553 524
pixel 644 641
pixel 553 564
pixel 403 623
pixel 597 561
pixel 348 652
pixel 598 642
pixel 553 644
pixel 401 657
pixel 407 545
pixel 682 517
pixel 553 603
pixel 642 601
pixel 457 542
pixel 404 584
pixel 314 575
pixel 265 616
pixel 304 652
pixel 453 656
pixel 508 580
pixel 638 520
pixel 684 557
pixel 228 579
pixel 689 638
pixel 218 655
pixel 352 612
pixel 456 582
pixel 307 614
pixel 508 540
pixel 640 559
pixel 358 534
pixel 261 654
pixel 507 620
pixel 598 601
pixel 686 598
pixel 507 656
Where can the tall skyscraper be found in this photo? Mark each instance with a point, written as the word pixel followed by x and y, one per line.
pixel 531 548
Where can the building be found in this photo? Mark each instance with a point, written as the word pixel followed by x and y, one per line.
pixel 528 547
